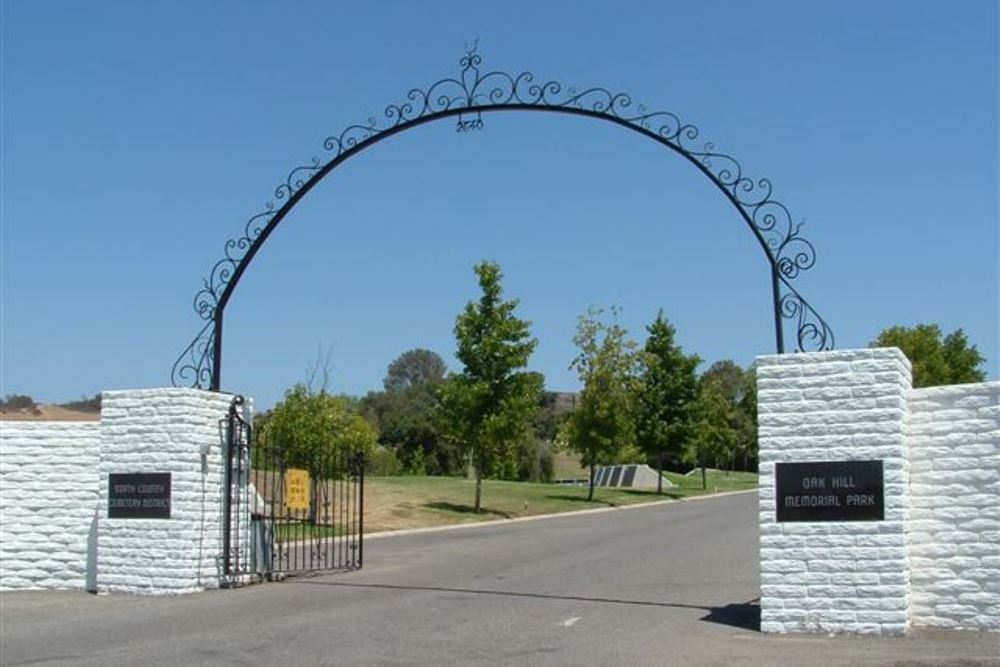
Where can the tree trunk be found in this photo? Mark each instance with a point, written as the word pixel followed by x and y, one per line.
pixel 704 480
pixel 659 476
pixel 479 490
pixel 590 493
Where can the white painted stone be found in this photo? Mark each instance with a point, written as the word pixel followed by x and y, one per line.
pixel 843 577
pixel 183 432
pixel 48 503
pixel 935 560
pixel 954 545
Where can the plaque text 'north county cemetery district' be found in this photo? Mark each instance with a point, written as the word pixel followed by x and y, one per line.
pixel 139 495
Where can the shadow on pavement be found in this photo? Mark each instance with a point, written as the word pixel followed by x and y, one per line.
pixel 464 509
pixel 603 502
pixel 745 616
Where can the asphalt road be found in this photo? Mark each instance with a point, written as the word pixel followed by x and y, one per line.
pixel 671 584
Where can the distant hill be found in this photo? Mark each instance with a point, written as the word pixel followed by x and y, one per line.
pixel 47 413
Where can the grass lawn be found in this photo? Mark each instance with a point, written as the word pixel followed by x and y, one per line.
pixel 302 530
pixel 394 503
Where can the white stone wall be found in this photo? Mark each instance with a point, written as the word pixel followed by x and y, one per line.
pixel 181 431
pixel 954 533
pixel 849 577
pixel 48 503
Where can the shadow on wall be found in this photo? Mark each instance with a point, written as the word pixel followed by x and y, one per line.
pixel 91 577
pixel 220 502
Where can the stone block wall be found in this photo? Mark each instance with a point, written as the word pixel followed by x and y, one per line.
pixel 183 432
pixel 954 532
pixel 48 503
pixel 845 577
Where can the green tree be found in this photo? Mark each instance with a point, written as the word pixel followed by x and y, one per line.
pixel 716 433
pixel 739 388
pixel 667 396
pixel 936 361
pixel 488 407
pixel 728 377
pixel 405 414
pixel 414 368
pixel 746 443
pixel 602 425
pixel 313 428
pixel 407 423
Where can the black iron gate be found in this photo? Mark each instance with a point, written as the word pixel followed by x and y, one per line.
pixel 289 510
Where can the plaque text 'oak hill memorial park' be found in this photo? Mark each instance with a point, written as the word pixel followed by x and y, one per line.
pixel 829 491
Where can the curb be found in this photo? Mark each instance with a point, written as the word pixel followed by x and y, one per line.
pixel 556 515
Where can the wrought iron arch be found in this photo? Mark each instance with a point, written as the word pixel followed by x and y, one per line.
pixel 470 95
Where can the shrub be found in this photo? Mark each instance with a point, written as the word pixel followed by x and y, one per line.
pixel 84 404
pixel 383 462
pixel 19 402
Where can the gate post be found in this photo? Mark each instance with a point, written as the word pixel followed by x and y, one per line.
pixel 161 490
pixel 834 491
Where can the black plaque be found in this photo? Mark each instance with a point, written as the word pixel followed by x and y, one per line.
pixel 139 495
pixel 629 476
pixel 829 491
pixel 616 472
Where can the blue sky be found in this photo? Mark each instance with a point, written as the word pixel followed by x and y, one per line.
pixel 138 137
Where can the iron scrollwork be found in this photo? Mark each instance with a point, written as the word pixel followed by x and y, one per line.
pixel 811 331
pixel 470 94
pixel 194 366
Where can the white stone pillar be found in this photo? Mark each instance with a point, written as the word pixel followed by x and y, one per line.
pixel 834 576
pixel 176 431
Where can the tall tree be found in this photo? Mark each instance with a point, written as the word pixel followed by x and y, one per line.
pixel 716 430
pixel 739 389
pixel 405 414
pixel 728 377
pixel 667 396
pixel 407 423
pixel 490 404
pixel 414 368
pixel 603 423
pixel 936 361
pixel 746 443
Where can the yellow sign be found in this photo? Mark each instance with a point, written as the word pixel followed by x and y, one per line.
pixel 296 489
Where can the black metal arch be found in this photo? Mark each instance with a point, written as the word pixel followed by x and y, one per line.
pixel 468 96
